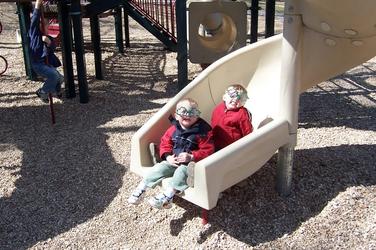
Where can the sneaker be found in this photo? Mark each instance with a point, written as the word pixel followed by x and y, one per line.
pixel 191 172
pixel 136 196
pixel 42 95
pixel 154 153
pixel 61 80
pixel 58 94
pixel 161 201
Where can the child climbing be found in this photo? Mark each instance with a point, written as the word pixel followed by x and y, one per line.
pixel 43 60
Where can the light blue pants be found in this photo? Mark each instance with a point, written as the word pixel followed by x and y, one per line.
pixel 53 77
pixel 164 170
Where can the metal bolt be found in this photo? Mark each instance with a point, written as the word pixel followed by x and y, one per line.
pixel 325 26
pixel 357 43
pixel 330 42
pixel 351 32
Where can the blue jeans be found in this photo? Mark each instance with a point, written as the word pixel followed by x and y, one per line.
pixel 163 170
pixel 52 83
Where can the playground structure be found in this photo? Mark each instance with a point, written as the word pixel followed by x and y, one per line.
pixel 315 46
pixel 165 19
pixel 320 40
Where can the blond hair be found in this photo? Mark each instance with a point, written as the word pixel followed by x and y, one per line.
pixel 189 101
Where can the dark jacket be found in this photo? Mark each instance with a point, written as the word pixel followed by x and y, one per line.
pixel 38 49
pixel 196 140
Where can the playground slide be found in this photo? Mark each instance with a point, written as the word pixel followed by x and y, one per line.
pixel 274 71
pixel 258 69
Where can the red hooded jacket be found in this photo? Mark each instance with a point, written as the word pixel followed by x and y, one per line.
pixel 229 125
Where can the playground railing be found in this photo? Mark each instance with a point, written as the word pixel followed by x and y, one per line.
pixel 160 12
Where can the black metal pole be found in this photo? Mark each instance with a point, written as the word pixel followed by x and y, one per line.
pixel 119 29
pixel 96 39
pixel 75 13
pixel 24 10
pixel 284 169
pixel 254 20
pixel 269 18
pixel 66 46
pixel 126 28
pixel 181 26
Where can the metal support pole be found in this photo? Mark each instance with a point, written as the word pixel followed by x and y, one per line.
pixel 181 26
pixel 284 169
pixel 126 28
pixel 95 40
pixel 269 18
pixel 79 50
pixel 204 216
pixel 289 96
pixel 24 10
pixel 254 20
pixel 51 102
pixel 66 46
pixel 119 30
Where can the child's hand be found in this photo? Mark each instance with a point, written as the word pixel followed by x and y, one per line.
pixel 184 157
pixel 38 3
pixel 47 40
pixel 173 160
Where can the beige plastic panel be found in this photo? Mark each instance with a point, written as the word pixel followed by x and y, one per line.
pixel 336 36
pixel 229 36
pixel 259 71
pixel 338 18
pixel 339 55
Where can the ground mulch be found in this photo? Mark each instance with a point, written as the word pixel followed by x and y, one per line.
pixel 65 186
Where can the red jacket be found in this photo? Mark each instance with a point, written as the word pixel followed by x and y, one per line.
pixel 229 125
pixel 196 140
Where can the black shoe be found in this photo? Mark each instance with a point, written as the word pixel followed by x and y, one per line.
pixel 43 96
pixel 58 94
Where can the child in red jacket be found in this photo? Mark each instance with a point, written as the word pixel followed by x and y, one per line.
pixel 230 119
pixel 188 139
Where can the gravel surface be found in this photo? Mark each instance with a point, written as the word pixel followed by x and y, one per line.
pixel 65 186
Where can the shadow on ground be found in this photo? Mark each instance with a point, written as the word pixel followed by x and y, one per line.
pixel 316 181
pixel 345 101
pixel 320 174
pixel 67 173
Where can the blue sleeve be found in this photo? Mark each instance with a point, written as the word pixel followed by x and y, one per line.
pixel 36 43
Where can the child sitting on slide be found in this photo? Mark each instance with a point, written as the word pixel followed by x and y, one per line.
pixel 188 139
pixel 230 119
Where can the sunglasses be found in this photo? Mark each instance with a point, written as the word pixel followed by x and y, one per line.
pixel 234 94
pixel 193 112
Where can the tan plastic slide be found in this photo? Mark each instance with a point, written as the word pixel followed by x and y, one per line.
pixel 321 39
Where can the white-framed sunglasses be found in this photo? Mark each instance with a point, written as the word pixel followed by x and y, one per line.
pixel 192 112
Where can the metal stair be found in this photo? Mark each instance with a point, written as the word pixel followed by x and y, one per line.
pixel 141 12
